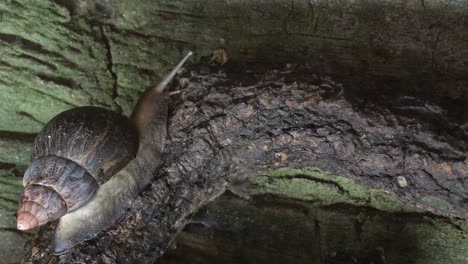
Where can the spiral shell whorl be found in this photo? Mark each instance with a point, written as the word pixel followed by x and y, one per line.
pixel 98 139
pixel 73 154
pixel 30 215
pixel 56 185
pixel 47 199
pixel 71 181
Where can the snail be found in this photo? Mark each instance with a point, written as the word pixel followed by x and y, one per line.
pixel 88 164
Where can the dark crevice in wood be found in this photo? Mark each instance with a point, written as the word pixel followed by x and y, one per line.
pixel 272 201
pixel 370 211
pixel 30 116
pixel 14 201
pixel 13 168
pixel 406 217
pixel 62 81
pixel 69 5
pixel 110 65
pixel 26 137
pixel 7 166
pixel 28 45
pixel 49 66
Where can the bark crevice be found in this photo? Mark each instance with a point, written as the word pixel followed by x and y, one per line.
pixel 110 65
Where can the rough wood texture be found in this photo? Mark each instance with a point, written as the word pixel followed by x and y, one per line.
pixel 57 54
pixel 65 53
pixel 227 125
pixel 272 230
pixel 11 239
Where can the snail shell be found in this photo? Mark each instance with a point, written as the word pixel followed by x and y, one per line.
pixel 89 163
pixel 76 152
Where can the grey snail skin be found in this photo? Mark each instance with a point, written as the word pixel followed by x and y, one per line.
pixel 88 164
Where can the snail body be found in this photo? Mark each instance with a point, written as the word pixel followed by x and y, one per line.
pixel 89 163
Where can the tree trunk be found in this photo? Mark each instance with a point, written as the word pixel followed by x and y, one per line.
pixel 403 66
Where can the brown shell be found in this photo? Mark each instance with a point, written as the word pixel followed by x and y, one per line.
pixel 71 181
pixel 74 153
pixel 100 140
pixel 46 197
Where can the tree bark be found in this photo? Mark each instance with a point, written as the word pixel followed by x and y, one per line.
pixel 270 229
pixel 58 54
pixel 247 119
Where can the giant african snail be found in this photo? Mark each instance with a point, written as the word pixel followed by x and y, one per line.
pixel 89 163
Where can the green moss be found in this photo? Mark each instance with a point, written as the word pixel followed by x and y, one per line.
pixel 14 151
pixel 10 190
pixel 402 237
pixel 46 67
pixel 10 252
pixel 272 230
pixel 11 241
pixel 434 243
pixel 320 188
pixel 436 202
pixel 41 38
pixel 399 40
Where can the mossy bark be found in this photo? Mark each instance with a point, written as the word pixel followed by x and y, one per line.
pixel 269 229
pixel 57 54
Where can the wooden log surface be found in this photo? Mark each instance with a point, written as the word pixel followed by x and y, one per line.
pixel 271 229
pixel 242 120
pixel 57 54
pixel 62 54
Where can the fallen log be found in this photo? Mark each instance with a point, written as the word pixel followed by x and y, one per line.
pixel 229 123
